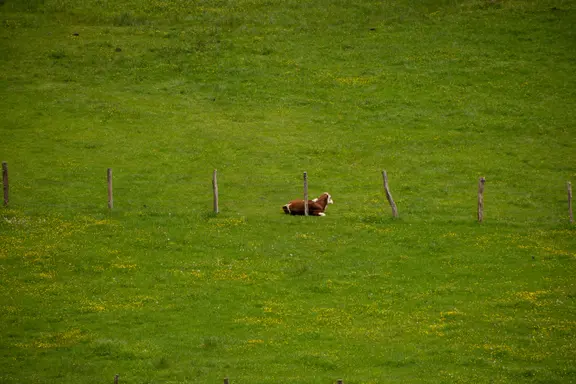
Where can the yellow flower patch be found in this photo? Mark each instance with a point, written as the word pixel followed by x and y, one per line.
pixel 535 297
pixel 124 266
pixel 55 340
pixel 230 275
pixel 264 321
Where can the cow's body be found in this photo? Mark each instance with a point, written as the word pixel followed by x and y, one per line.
pixel 316 207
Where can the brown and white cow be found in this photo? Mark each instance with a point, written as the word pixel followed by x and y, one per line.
pixel 316 207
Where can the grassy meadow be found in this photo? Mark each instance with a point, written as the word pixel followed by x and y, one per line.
pixel 161 290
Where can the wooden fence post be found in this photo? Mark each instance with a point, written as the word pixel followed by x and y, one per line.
pixel 116 379
pixel 570 214
pixel 340 381
pixel 226 380
pixel 305 194
pixel 215 190
pixel 5 182
pixel 389 195
pixel 481 183
pixel 110 195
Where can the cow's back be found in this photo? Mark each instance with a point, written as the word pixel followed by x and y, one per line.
pixel 296 207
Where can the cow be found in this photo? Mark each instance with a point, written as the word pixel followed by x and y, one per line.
pixel 316 207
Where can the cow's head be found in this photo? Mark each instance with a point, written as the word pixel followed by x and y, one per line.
pixel 329 198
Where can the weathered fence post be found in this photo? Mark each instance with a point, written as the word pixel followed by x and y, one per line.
pixel 110 195
pixel 389 195
pixel 215 190
pixel 305 194
pixel 570 214
pixel 116 379
pixel 5 182
pixel 226 380
pixel 481 183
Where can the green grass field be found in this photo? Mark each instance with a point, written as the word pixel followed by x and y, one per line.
pixel 161 290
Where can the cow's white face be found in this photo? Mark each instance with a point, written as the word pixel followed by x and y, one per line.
pixel 330 201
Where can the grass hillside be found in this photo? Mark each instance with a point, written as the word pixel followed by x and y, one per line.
pixel 161 290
